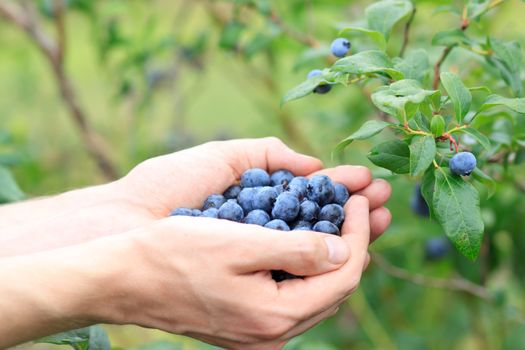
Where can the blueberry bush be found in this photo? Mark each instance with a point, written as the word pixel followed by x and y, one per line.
pixel 430 90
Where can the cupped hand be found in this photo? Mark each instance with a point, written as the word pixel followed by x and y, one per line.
pixel 210 279
pixel 184 179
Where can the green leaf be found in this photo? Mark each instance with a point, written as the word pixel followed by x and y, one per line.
pixel 456 207
pixel 377 37
pixel 415 65
pixel 485 180
pixel 367 62
pixel 231 35
pixel 451 38
pixel 367 130
pixel 458 93
pixel 392 155
pixel 419 122
pixel 76 336
pixel 437 125
pixel 515 104
pixel 508 59
pixel 427 188
pixel 382 16
pixel 402 98
pixel 9 190
pixel 422 153
pixel 98 339
pixel 482 139
pixel 308 86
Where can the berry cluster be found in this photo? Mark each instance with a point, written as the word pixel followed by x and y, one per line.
pixel 339 48
pixel 280 201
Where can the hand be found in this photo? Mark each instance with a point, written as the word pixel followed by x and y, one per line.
pixel 155 187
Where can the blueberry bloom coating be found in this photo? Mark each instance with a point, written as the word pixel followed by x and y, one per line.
pixel 333 213
pixel 210 213
pixel 257 217
pixel 255 178
pixel 309 210
pixel 265 198
pixel 462 163
pixel 320 189
pixel 341 194
pixel 286 207
pixel 326 227
pixel 232 192
pixel 214 201
pixel 231 211
pixel 340 47
pixel 278 225
pixel 281 177
pixel 182 212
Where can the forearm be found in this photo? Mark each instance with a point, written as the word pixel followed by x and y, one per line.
pixel 50 292
pixel 66 219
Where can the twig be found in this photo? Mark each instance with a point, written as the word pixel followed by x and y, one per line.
pixel 454 284
pixel 406 35
pixel 298 36
pixel 25 19
pixel 437 66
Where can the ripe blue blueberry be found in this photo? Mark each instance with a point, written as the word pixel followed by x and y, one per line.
pixel 232 192
pixel 309 210
pixel 231 211
pixel 302 225
pixel 257 217
pixel 321 88
pixel 255 178
pixel 436 248
pixel 264 198
pixel 182 212
pixel 462 163
pixel 277 224
pixel 214 201
pixel 341 194
pixel 210 213
pixel 281 177
pixel 326 227
pixel 320 189
pixel 196 212
pixel 418 203
pixel 245 198
pixel 279 189
pixel 298 186
pixel 333 213
pixel 340 47
pixel 286 207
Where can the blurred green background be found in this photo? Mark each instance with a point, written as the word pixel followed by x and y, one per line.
pixel 157 76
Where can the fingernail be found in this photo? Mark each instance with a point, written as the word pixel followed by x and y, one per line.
pixel 337 249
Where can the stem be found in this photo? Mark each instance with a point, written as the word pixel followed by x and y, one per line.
pixel 437 66
pixel 25 19
pixel 453 284
pixel 406 35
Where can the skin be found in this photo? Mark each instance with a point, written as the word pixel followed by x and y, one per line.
pixel 200 277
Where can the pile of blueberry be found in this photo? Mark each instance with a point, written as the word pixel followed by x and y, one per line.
pixel 280 201
pixel 339 48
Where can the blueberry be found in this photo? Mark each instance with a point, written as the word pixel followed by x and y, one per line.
pixel 314 73
pixel 302 225
pixel 265 198
pixel 257 217
pixel 182 212
pixel 340 47
pixel 326 227
pixel 279 189
pixel 196 212
pixel 255 178
pixel 333 213
pixel 462 163
pixel 245 198
pixel 298 186
pixel 436 248
pixel 281 177
pixel 418 203
pixel 321 88
pixel 286 207
pixel 277 225
pixel 210 213
pixel 341 194
pixel 309 210
pixel 232 192
pixel 279 275
pixel 320 189
pixel 214 201
pixel 231 211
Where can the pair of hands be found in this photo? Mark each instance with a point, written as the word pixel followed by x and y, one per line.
pixel 205 278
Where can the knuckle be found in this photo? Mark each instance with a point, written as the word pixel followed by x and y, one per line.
pixel 275 141
pixel 310 250
pixel 273 329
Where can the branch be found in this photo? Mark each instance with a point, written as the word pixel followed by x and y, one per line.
pixel 406 35
pixel 25 19
pixel 453 284
pixel 298 36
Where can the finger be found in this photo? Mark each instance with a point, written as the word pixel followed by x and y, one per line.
pixel 311 322
pixel 301 253
pixel 378 193
pixel 268 153
pixel 330 287
pixel 380 219
pixel 355 178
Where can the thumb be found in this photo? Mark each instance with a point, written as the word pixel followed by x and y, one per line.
pixel 302 253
